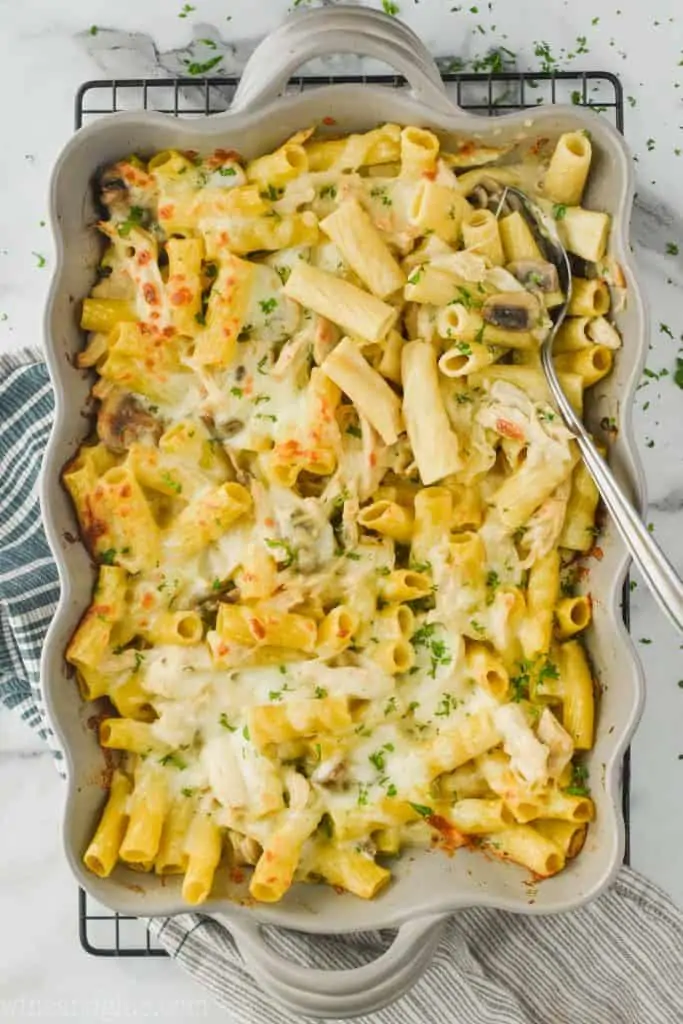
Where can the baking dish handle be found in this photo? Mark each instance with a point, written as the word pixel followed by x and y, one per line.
pixel 324 31
pixel 339 993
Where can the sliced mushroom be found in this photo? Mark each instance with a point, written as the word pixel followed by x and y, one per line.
pixel 121 421
pixel 536 274
pixel 113 189
pixel 512 311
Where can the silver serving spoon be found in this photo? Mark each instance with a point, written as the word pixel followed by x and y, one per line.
pixel 659 574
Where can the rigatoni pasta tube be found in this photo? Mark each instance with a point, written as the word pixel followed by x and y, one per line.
pixel 336 630
pixel 434 444
pixel 568 168
pixel 591 363
pixel 366 388
pixel 350 870
pixel 578 699
pixel 184 283
pixel 481 234
pixel 389 519
pixel 148 808
pixel 478 817
pixel 525 846
pixel 343 303
pixel 304 717
pixel 578 532
pixel 529 486
pixel 126 734
pixel 274 872
pixel 103 851
pixel 171 858
pixel 104 314
pixel 203 848
pixel 131 530
pixel 572 614
pixel 472 737
pixel 207 518
pixel 466 357
pixel 279 167
pixel 517 240
pixel 419 151
pixel 568 835
pixel 590 297
pixel 363 248
pixel 262 625
pixel 433 516
pixel 394 656
pixel 439 209
pixel 542 590
pixel 404 585
pixel 184 628
pixel 488 670
pixel 584 232
pixel 226 310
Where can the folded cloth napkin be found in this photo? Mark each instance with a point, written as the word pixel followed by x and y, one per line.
pixel 618 960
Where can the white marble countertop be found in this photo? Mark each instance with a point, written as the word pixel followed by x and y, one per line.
pixel 46 51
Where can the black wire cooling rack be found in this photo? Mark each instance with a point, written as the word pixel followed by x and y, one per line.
pixel 101 931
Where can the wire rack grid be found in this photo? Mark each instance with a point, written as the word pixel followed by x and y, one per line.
pixel 103 932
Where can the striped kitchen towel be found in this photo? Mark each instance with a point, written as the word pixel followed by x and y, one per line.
pixel 616 961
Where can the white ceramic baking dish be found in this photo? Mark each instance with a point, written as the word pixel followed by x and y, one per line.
pixel 428 886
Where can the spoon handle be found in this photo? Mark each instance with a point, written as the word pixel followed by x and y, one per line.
pixel 662 579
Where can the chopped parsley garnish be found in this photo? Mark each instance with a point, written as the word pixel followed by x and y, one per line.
pixel 492 584
pixel 665 329
pixel 650 145
pixel 390 706
pixel 245 733
pixel 174 759
pixel 170 482
pixel 389 7
pixel 416 275
pixel 286 554
pixel 263 362
pixel 202 67
pixel 186 9
pixel 362 794
pixel 283 273
pixel 273 193
pixel 188 791
pixel 328 192
pixel 353 556
pixel 579 781
pixel 268 305
pixel 320 692
pixel 447 705
pixel 377 759
pixel 227 172
pixel 464 348
pixel 107 557
pixel 391 789
pixel 217 584
pixel 134 218
pixel 420 567
pixel 559 211
pixel 671 249
pixel 139 661
pixel 223 720
pixel 421 809
pixel 237 392
pixel 477 627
